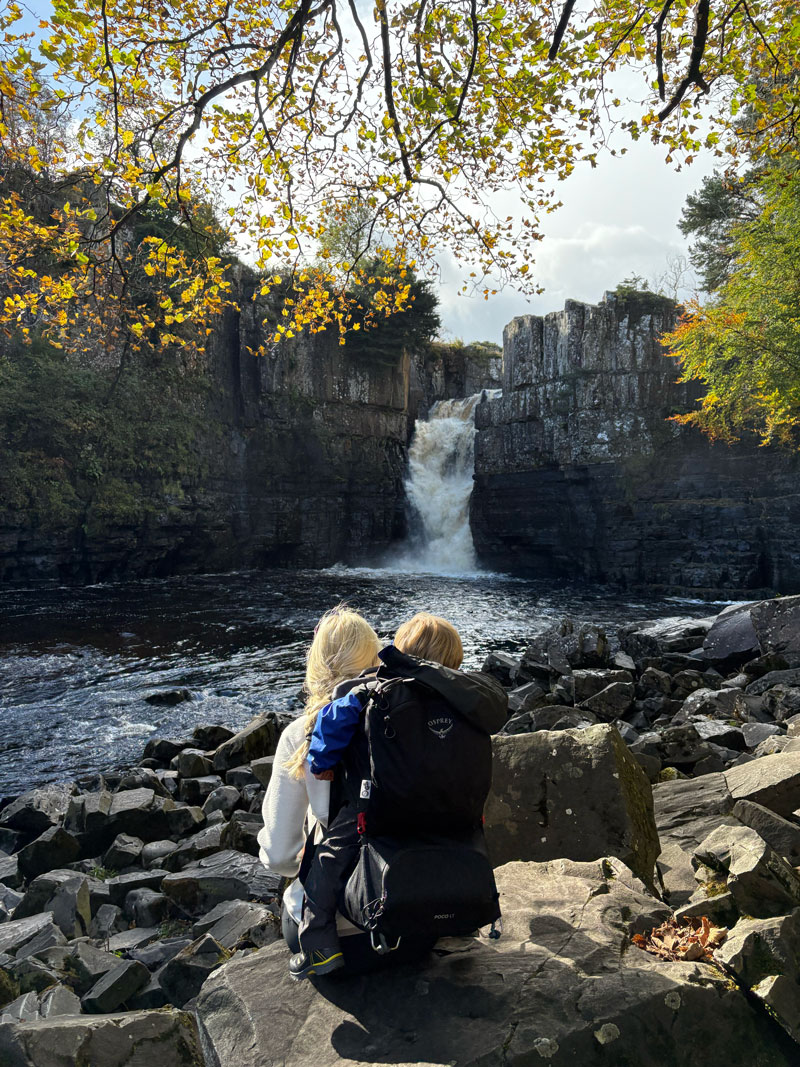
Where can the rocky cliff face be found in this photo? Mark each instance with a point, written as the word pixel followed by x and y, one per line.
pixel 579 473
pixel 299 461
pixel 451 372
pixel 303 453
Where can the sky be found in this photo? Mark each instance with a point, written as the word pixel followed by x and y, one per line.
pixel 618 219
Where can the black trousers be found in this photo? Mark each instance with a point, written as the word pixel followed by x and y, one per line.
pixel 334 859
pixel 359 956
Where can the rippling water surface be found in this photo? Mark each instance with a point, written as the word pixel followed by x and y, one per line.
pixel 77 663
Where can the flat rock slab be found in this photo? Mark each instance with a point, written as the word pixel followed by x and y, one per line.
pixel 772 781
pixel 574 793
pixel 18 932
pixel 564 986
pixel 686 811
pixel 227 875
pixel 133 1039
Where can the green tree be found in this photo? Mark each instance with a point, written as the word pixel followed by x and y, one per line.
pixel 743 344
pixel 712 217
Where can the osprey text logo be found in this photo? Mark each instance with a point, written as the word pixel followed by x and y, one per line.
pixel 441 726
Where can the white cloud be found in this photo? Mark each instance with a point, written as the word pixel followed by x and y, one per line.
pixel 618 219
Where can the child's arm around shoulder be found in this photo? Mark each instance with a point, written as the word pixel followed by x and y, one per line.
pixel 335 726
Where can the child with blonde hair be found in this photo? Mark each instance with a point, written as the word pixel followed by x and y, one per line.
pixel 343 648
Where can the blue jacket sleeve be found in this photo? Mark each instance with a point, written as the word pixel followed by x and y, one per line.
pixel 335 726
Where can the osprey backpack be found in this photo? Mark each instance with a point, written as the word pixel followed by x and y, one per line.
pixel 423 869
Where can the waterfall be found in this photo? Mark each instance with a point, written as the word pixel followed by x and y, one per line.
pixel 441 462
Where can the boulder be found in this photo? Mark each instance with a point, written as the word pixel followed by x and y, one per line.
pixel 725 704
pixel 242 777
pixel 107 920
pixel 502 667
pixel 761 883
pixel 126 940
pixel 56 847
pixel 83 963
pixel 732 639
pixel 781 702
pixel 14 934
pixel 163 749
pixel 10 874
pixel 168 698
pixel 196 790
pixel 145 907
pixel 262 768
pixel 23 1009
pixel 653 680
pixel 154 852
pixel 194 848
pixel 773 782
pixel 125 850
pixel 31 974
pixel 523 698
pixel 721 733
pixel 47 937
pixel 227 875
pixel 224 799
pixel 116 987
pixel 780 834
pixel 563 647
pixel 36 811
pixel 757 948
pixel 241 833
pixel 10 841
pixel 211 736
pixel 59 1001
pixel 140 813
pixel 184 821
pixel 123 884
pixel 129 1040
pixel 777 626
pixel 259 738
pixel 182 977
pixel 9 898
pixel 773 678
pixel 653 640
pixel 192 763
pixel 612 702
pixel 587 683
pixel 578 794
pixel 781 997
pixel 754 733
pixel 563 986
pixel 143 778
pixel 235 920
pixel 159 952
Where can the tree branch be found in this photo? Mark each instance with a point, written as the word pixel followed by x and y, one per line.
pixel 561 29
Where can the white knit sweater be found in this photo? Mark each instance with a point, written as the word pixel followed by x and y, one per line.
pixel 291 808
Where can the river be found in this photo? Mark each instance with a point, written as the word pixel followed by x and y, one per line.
pixel 76 664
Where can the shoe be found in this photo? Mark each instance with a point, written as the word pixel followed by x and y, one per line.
pixel 303 964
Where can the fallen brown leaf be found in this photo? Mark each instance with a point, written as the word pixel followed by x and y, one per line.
pixel 685 939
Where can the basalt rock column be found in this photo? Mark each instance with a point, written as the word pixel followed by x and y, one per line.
pixel 580 473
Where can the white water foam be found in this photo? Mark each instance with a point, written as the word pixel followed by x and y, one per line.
pixel 441 461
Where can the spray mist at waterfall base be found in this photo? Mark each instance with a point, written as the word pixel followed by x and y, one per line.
pixel 441 462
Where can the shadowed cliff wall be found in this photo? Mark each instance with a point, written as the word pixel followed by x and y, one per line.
pixel 578 473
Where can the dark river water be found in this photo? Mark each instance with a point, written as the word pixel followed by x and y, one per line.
pixel 77 663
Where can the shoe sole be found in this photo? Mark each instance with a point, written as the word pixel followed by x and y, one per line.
pixel 332 963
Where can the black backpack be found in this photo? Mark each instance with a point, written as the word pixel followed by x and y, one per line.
pixel 423 870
